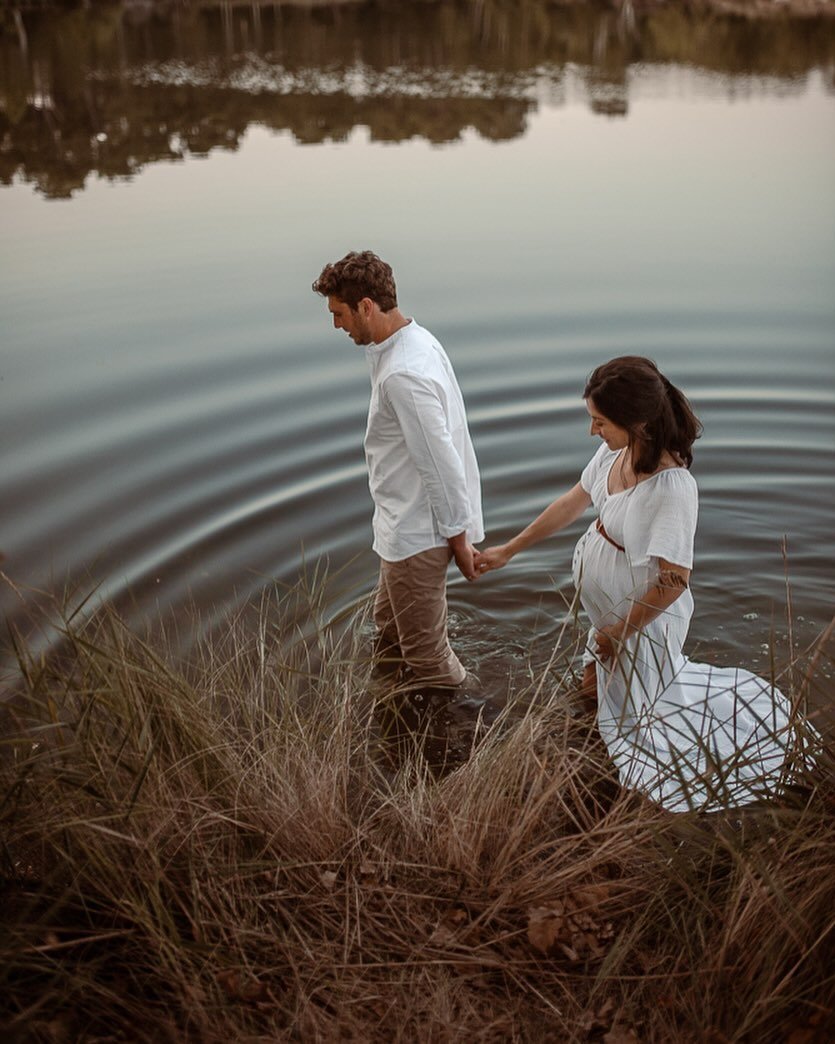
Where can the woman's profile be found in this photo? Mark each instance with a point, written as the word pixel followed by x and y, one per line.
pixel 688 735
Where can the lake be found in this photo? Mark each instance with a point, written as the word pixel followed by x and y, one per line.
pixel 553 185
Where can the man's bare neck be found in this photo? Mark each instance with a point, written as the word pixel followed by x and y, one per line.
pixel 389 324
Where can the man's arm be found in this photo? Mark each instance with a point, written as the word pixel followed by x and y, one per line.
pixel 423 421
pixel 464 554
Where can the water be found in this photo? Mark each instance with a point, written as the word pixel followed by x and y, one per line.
pixel 181 426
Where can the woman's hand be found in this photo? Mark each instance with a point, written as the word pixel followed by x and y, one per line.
pixel 608 640
pixel 672 581
pixel 492 558
pixel 559 514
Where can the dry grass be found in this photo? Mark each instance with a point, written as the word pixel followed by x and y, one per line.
pixel 237 850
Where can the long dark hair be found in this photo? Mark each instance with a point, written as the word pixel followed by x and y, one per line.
pixel 632 392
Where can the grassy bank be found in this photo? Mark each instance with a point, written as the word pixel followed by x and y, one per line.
pixel 248 848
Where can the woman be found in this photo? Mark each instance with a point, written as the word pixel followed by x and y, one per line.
pixel 688 735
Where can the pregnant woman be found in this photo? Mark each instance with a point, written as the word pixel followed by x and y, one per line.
pixel 688 735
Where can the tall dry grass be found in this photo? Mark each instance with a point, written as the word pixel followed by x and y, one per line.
pixel 248 848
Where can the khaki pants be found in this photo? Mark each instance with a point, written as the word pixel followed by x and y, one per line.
pixel 410 611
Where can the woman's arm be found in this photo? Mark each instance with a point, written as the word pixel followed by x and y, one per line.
pixel 559 514
pixel 672 581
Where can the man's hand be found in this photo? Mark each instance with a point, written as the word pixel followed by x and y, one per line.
pixel 464 554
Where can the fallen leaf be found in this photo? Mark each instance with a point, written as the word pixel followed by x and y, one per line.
pixel 565 926
pixel 814 1032
pixel 592 896
pixel 446 930
pixel 255 992
pixel 592 944
pixel 544 927
pixel 230 982
pixel 58 1031
pixel 600 1020
pixel 620 1035
pixel 442 936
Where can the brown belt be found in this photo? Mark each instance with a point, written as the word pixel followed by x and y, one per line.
pixel 602 531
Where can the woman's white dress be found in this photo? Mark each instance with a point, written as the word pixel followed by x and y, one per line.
pixel 688 735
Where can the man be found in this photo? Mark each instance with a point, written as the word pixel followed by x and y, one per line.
pixel 422 469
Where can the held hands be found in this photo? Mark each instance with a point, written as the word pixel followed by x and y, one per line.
pixel 492 558
pixel 471 562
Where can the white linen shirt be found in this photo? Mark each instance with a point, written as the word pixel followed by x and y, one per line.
pixel 422 468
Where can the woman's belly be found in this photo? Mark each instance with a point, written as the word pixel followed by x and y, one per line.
pixel 608 584
pixel 604 579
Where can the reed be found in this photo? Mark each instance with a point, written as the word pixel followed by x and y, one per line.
pixel 246 847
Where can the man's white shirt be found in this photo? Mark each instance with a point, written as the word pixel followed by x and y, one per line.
pixel 422 468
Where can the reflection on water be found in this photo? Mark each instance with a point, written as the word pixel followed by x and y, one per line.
pixel 181 426
pixel 109 89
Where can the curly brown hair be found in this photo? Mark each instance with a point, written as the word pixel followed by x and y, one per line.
pixel 359 274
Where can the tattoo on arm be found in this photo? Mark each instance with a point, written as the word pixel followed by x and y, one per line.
pixel 670 578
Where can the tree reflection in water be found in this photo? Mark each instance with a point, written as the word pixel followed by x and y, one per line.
pixel 110 88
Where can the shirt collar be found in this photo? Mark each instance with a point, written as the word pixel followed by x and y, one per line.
pixel 374 352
